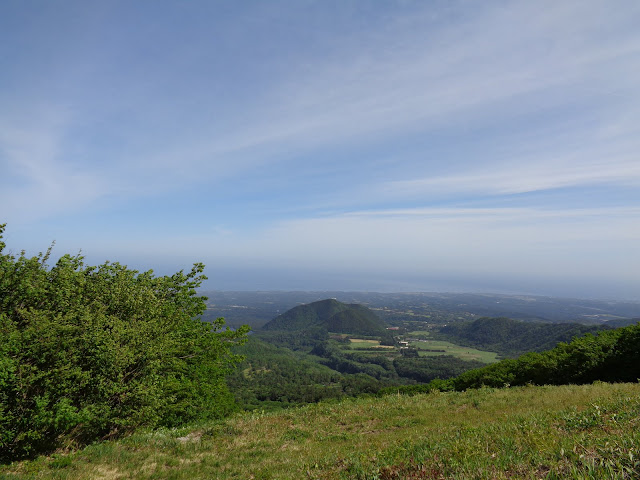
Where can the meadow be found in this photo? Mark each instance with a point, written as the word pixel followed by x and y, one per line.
pixel 589 431
pixel 441 347
pixel 362 343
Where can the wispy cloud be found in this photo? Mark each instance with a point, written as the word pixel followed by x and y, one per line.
pixel 461 69
pixel 344 135
pixel 448 239
pixel 38 180
pixel 525 177
pixel 508 61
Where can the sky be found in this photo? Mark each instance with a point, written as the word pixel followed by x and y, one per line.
pixel 329 145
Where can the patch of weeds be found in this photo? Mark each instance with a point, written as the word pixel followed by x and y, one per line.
pixel 583 420
pixel 262 475
pixel 97 452
pixel 294 434
pixel 605 458
pixel 617 413
pixel 221 430
pixel 60 461
pixel 212 462
pixel 409 471
pixel 166 475
pixel 407 422
pixel 342 436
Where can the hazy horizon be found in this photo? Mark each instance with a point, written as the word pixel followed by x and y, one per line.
pixel 329 145
pixel 234 282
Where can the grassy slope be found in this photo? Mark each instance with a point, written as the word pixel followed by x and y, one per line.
pixel 590 431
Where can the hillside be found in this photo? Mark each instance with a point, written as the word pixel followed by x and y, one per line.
pixel 590 431
pixel 623 322
pixel 331 315
pixel 272 377
pixel 511 338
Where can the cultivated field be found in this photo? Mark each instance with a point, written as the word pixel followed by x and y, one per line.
pixel 438 347
pixel 361 343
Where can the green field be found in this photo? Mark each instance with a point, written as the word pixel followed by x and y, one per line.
pixel 465 353
pixel 364 342
pixel 420 333
pixel 576 432
pixel 442 347
pixel 360 343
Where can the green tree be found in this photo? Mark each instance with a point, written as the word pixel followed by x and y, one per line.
pixel 92 352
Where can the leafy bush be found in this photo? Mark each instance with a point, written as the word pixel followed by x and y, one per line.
pixel 92 352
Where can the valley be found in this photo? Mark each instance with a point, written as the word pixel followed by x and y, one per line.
pixel 327 349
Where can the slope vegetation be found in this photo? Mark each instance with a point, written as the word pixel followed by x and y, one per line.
pixel 590 431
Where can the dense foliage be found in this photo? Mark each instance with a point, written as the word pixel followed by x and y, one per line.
pixel 272 377
pixel 303 340
pixel 91 352
pixel 425 369
pixel 511 338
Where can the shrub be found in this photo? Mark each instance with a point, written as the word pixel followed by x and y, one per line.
pixel 92 352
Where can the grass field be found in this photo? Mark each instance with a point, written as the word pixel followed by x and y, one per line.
pixel 574 432
pixel 465 353
pixel 364 342
pixel 442 347
pixel 420 333
pixel 357 343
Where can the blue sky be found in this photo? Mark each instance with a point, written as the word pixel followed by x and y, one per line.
pixel 346 145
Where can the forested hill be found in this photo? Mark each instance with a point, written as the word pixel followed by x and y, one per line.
pixel 332 315
pixel 511 338
pixel 622 322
